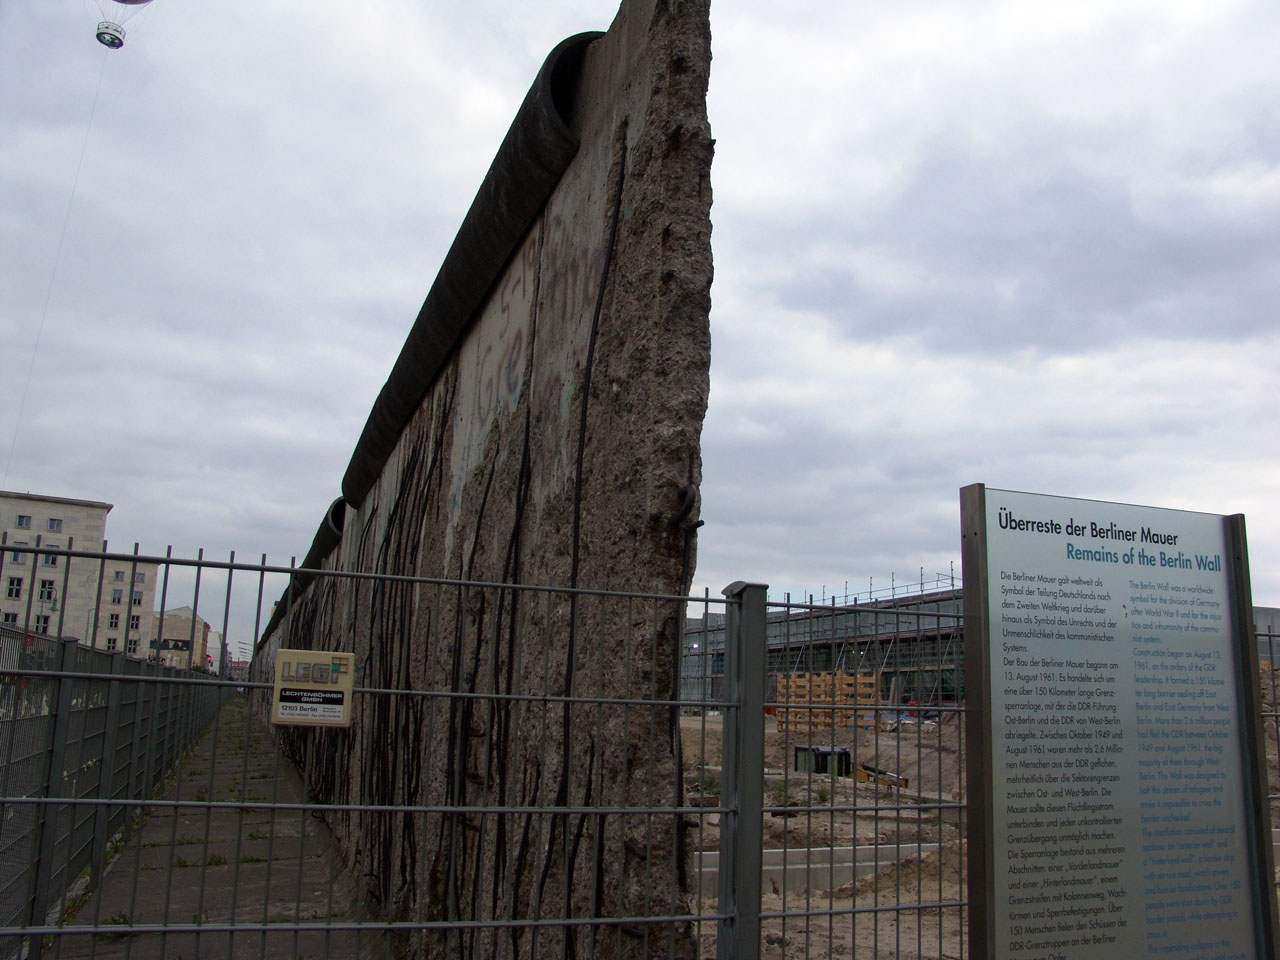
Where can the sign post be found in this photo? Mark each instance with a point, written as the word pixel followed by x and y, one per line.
pixel 1118 803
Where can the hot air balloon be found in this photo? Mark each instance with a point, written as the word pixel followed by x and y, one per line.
pixel 115 13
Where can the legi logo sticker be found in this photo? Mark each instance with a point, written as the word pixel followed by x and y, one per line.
pixel 313 688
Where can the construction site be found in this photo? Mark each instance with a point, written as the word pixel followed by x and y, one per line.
pixel 911 643
pixel 865 796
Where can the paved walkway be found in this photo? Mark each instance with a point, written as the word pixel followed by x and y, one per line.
pixel 255 868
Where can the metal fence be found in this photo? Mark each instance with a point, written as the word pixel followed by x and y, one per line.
pixel 856 848
pixel 84 736
pixel 782 826
pixel 510 784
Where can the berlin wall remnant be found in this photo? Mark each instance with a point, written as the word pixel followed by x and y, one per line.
pixel 541 426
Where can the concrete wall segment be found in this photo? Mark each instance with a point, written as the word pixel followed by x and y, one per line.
pixel 527 167
pixel 558 444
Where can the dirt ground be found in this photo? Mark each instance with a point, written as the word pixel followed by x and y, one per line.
pixel 826 809
pixel 877 916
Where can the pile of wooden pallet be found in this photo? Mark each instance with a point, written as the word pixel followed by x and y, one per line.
pixel 808 701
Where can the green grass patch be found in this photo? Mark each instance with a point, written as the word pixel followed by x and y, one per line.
pixel 780 794
pixel 709 784
pixel 115 920
pixel 73 905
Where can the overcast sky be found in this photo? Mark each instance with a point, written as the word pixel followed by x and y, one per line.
pixel 1030 245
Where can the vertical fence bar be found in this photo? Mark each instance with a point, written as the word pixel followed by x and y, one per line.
pixel 47 824
pixel 742 824
pixel 104 815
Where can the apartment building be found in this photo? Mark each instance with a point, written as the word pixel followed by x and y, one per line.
pixel 102 602
pixel 184 639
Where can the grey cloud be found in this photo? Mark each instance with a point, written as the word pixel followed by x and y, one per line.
pixel 1060 260
pixel 955 253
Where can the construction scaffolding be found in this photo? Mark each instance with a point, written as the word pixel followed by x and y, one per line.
pixel 912 644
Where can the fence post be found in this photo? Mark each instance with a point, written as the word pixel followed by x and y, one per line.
pixel 46 837
pixel 742 773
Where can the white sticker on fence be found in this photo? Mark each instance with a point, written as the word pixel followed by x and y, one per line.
pixel 313 688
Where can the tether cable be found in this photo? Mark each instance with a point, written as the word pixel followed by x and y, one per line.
pixel 53 274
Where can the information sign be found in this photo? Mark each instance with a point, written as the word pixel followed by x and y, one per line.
pixel 1116 800
pixel 312 688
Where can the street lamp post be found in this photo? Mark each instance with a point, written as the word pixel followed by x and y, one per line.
pixel 42 619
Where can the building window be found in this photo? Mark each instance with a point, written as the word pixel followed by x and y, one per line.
pixel 112 643
pixel 117 596
pixel 134 623
pixel 55 525
pixel 137 598
pixel 10 619
pixel 139 578
pixel 46 591
pixel 42 623
pixel 24 523
pixel 19 557
pixel 51 559
pixel 15 588
pixel 132 646
pixel 113 621
pixel 118 576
